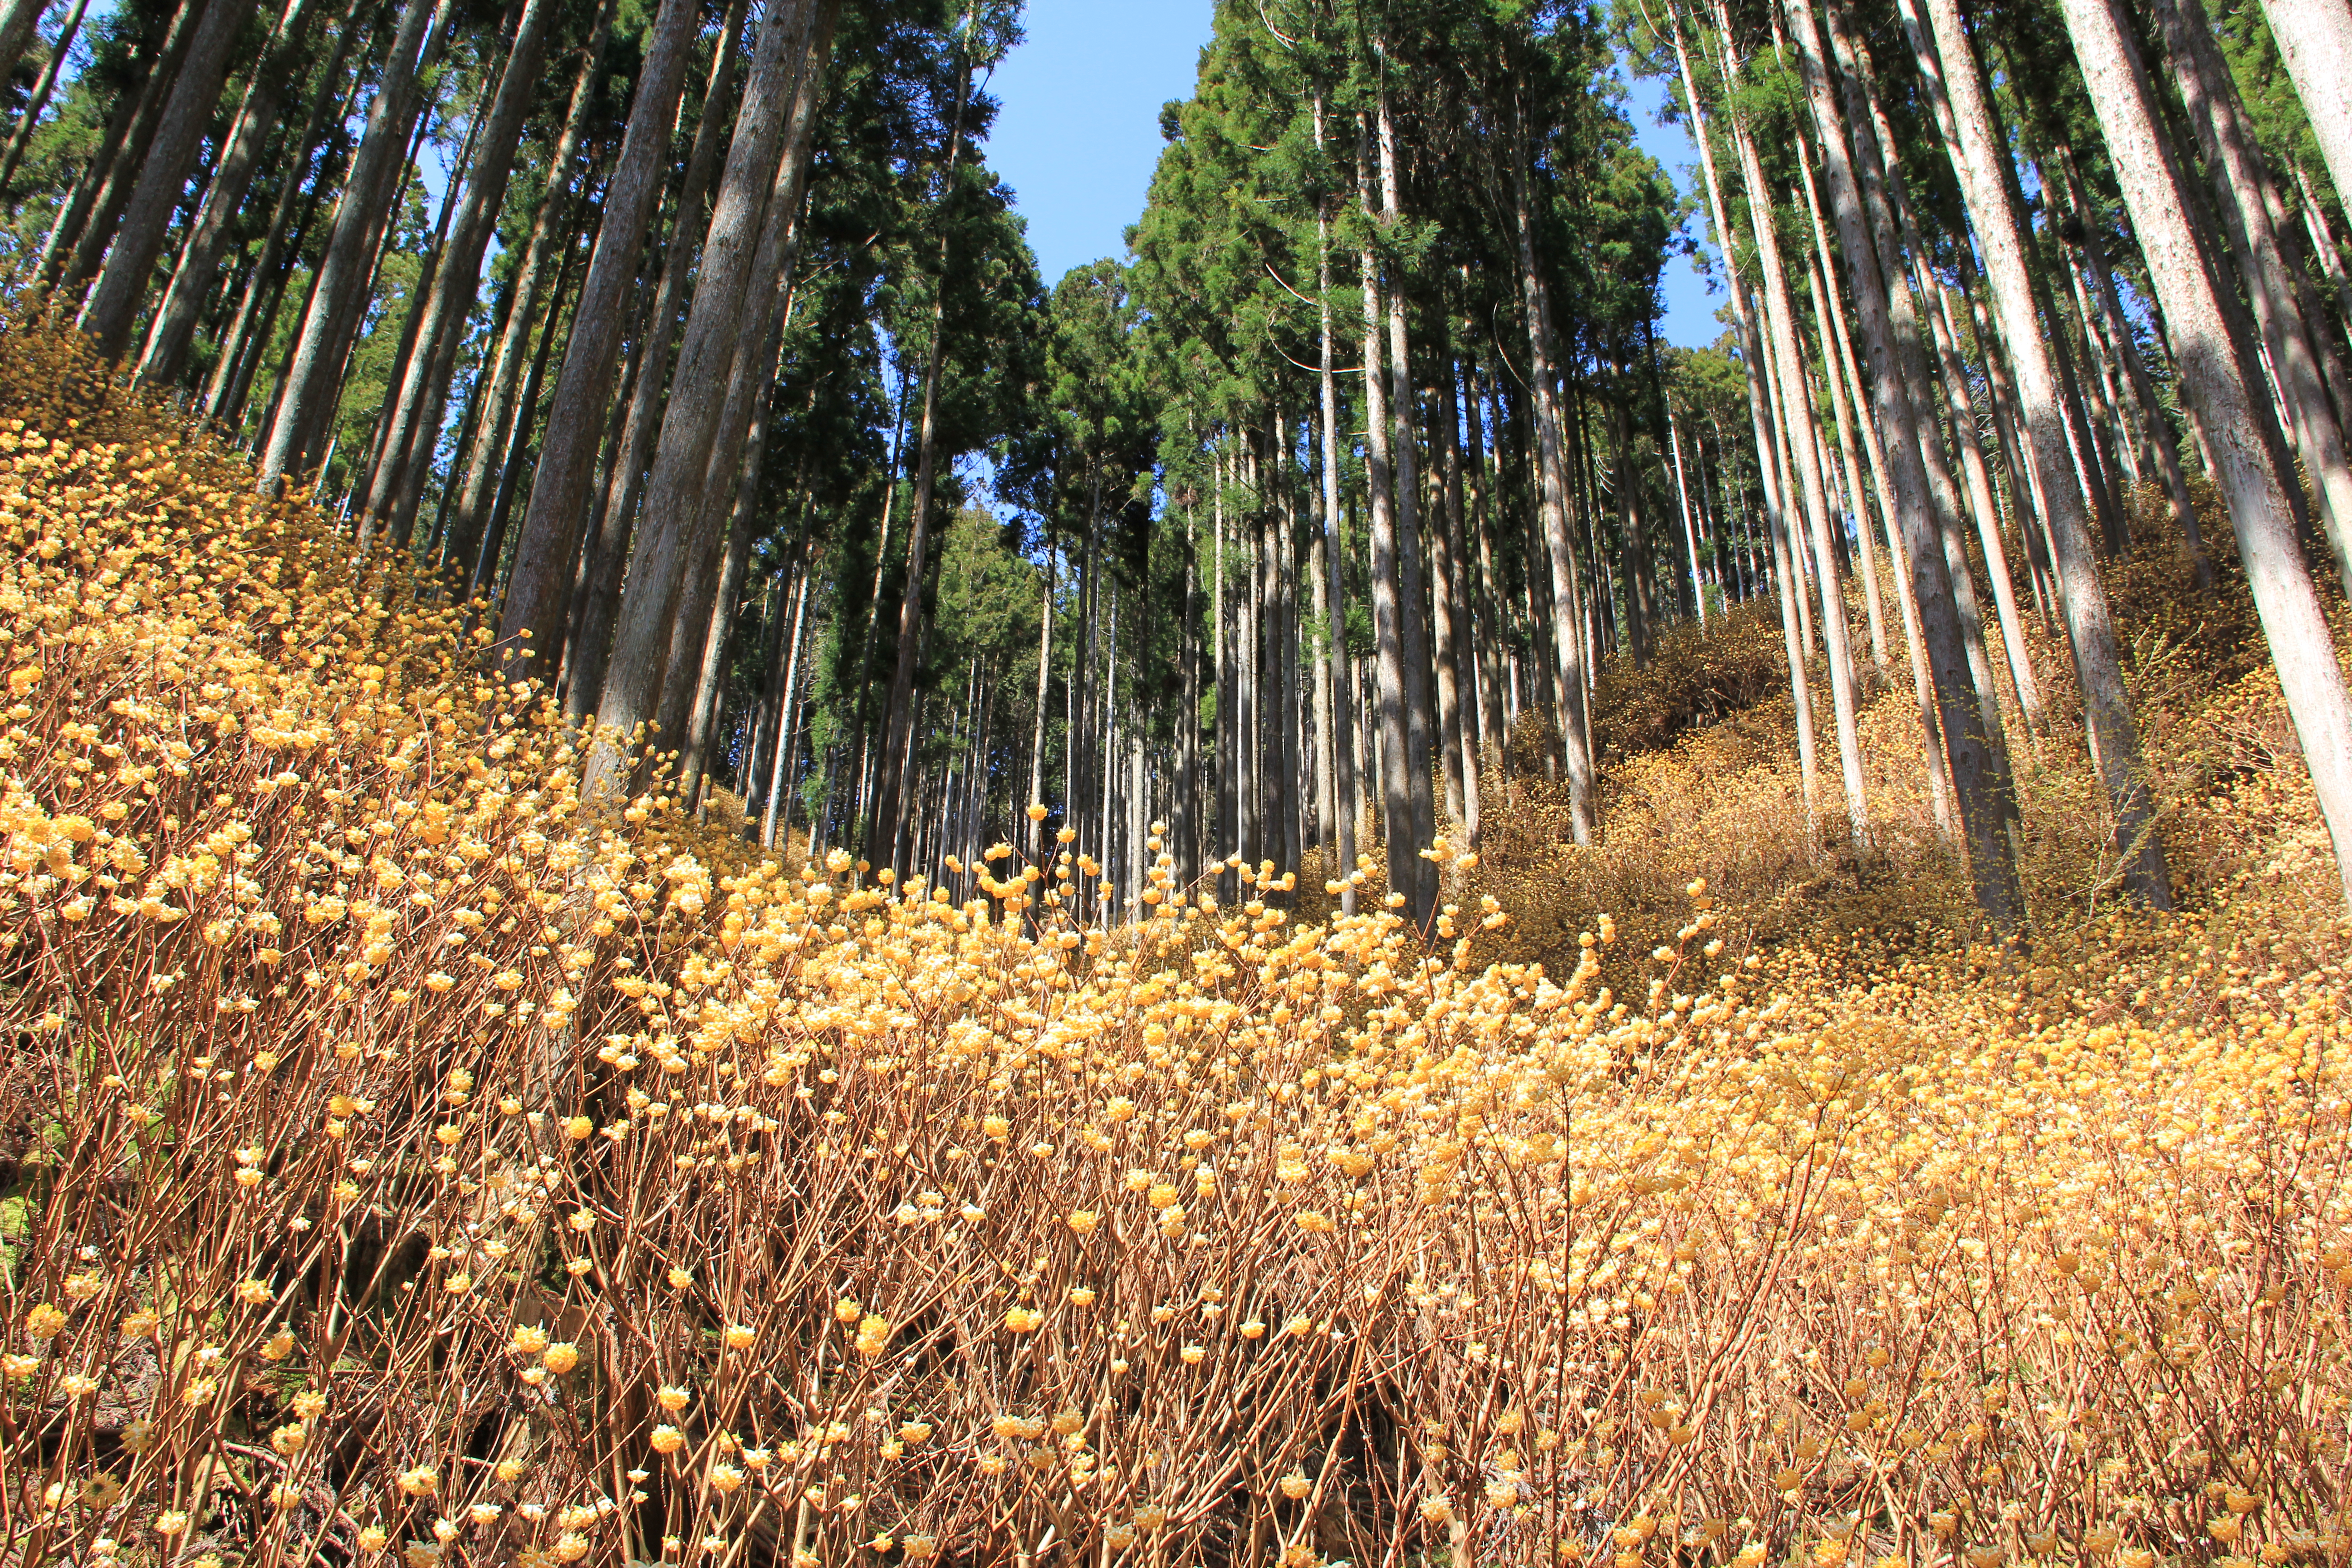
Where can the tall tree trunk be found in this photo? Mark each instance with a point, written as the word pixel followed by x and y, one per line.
pixel 478 461
pixel 192 280
pixel 1184 814
pixel 1762 421
pixel 539 595
pixel 1934 762
pixel 1796 411
pixel 2301 646
pixel 246 339
pixel 778 816
pixel 900 711
pixel 1035 830
pixel 2239 182
pixel 2162 448
pixel 2315 221
pixel 1419 740
pixel 660 549
pixel 46 84
pixel 597 596
pixel 1888 327
pixel 693 766
pixel 18 19
pixel 1551 460
pixel 2314 39
pixel 1445 445
pixel 314 370
pixel 398 481
pixel 1690 531
pixel 732 475
pixel 1389 605
pixel 1957 96
pixel 80 250
pixel 1887 179
pixel 41 93
pixel 1339 675
pixel 1829 319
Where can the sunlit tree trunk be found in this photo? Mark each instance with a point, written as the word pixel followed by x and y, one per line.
pixel 1957 95
pixel 1761 422
pixel 1419 725
pixel 2162 448
pixel 899 723
pixel 1796 409
pixel 1888 328
pixel 637 667
pixel 396 484
pixel 2301 649
pixel 77 252
pixel 174 321
pixel 597 595
pixel 314 373
pixel 1552 482
pixel 540 591
pixel 42 87
pixel 2238 179
pixel 479 463
pixel 2314 39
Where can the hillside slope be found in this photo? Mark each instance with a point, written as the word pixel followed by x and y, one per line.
pixel 405 1155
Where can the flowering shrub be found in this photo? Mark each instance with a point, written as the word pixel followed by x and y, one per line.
pixel 401 1157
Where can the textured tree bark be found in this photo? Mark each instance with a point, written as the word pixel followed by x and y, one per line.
pixel 480 460
pixel 2162 447
pixel 42 89
pixel 1338 676
pixel 1889 179
pixel 2239 181
pixel 18 18
pixel 2301 648
pixel 777 815
pixel 1494 736
pixel 1797 412
pixel 241 344
pixel 1759 411
pixel 1388 599
pixel 1829 319
pixel 731 476
pixel 1445 441
pixel 596 594
pixel 2315 221
pixel 518 455
pixel 658 550
pixel 1957 96
pixel 899 714
pixel 539 595
pixel 1934 762
pixel 81 249
pixel 1888 327
pixel 1183 814
pixel 315 367
pixel 1567 664
pixel 1035 830
pixel 2314 39
pixel 398 481
pixel 420 293
pixel 192 281
pixel 720 626
pixel 1420 738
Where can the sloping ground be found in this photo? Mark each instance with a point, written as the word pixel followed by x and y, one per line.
pixel 405 1156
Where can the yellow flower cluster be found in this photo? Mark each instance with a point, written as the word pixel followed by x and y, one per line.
pixel 437 1163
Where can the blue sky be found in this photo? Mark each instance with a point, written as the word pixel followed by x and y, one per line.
pixel 1079 133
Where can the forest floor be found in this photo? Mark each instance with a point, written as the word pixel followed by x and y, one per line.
pixel 344 1199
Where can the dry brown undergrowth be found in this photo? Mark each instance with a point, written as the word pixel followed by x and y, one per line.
pixel 403 1158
